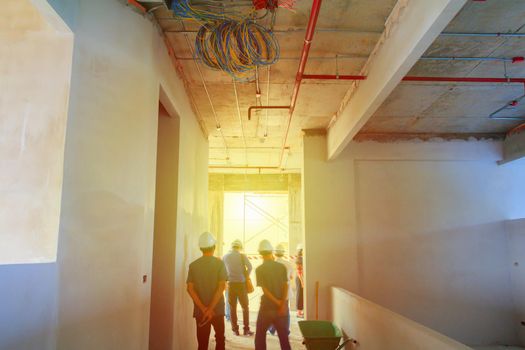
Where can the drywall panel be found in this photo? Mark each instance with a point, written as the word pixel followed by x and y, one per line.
pixel 516 232
pixel 433 245
pixel 375 327
pixel 35 55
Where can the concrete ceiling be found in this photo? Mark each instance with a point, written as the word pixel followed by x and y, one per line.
pixel 462 108
pixel 352 28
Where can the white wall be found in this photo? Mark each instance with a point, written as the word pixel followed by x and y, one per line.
pixel 375 327
pixel 106 230
pixel 429 224
pixel 28 300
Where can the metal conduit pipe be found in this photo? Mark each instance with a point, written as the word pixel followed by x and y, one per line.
pixel 515 59
pixel 420 78
pixel 240 121
pixel 251 108
pixel 343 30
pixel 504 35
pixel 217 123
pixel 267 126
pixel 513 103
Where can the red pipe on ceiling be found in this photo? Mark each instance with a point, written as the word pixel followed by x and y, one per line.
pixel 137 5
pixel 310 30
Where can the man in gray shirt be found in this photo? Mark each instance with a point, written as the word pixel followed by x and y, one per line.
pixel 238 267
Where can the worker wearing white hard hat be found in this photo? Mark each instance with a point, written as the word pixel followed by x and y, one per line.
pixel 205 284
pixel 279 252
pixel 239 268
pixel 273 279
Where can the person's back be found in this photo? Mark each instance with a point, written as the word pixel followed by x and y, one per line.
pixel 272 275
pixel 235 266
pixel 279 253
pixel 238 267
pixel 204 273
pixel 205 284
pixel 273 279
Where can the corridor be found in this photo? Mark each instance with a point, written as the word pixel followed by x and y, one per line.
pixel 376 146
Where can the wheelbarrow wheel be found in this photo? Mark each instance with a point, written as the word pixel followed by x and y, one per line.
pixel 342 345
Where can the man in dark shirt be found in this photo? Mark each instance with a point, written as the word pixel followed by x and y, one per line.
pixel 273 279
pixel 206 282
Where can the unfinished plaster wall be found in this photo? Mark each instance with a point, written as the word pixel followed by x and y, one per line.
pixel 120 63
pixel 106 229
pixel 36 50
pixel 329 221
pixel 429 227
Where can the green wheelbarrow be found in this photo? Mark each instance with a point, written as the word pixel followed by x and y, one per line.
pixel 322 335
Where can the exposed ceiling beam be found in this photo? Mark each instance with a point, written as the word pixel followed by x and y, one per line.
pixel 514 145
pixel 410 30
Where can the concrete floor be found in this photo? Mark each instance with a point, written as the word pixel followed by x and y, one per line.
pixel 234 342
pixel 498 347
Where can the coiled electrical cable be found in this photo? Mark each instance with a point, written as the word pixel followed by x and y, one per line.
pixel 236 47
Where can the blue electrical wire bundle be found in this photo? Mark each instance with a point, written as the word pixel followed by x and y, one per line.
pixel 236 47
pixel 204 11
pixel 229 39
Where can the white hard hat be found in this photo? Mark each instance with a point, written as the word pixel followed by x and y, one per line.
pixel 265 246
pixel 206 240
pixel 237 244
pixel 280 248
pixel 300 246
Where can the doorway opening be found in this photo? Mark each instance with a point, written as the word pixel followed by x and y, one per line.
pixel 164 232
pixel 252 217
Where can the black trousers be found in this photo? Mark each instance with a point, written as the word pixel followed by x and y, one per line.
pixel 267 318
pixel 237 291
pixel 203 333
pixel 299 294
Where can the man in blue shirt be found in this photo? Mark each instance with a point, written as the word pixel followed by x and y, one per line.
pixel 273 279
pixel 238 267
pixel 206 283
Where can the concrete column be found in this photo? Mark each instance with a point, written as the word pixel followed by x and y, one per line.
pixel 329 223
pixel 295 212
pixel 216 218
